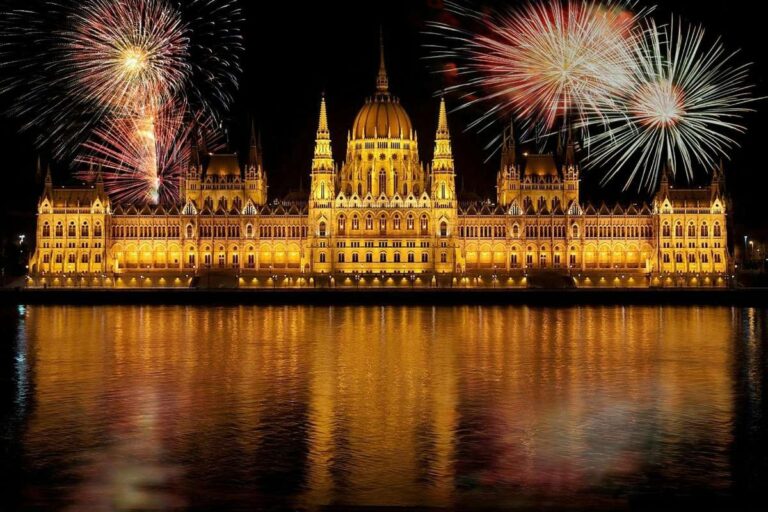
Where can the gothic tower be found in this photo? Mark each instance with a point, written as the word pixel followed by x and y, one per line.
pixel 508 177
pixel 255 177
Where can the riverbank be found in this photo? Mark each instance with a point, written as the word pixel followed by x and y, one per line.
pixel 572 297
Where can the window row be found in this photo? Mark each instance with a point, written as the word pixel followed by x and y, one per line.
pixel 146 231
pixel 71 258
pixel 369 257
pixel 691 258
pixel 703 230
pixel 72 230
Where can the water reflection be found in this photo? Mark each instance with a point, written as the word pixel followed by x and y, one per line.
pixel 143 407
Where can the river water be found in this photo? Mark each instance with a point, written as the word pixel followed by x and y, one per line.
pixel 248 408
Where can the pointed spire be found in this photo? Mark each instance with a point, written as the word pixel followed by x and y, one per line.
pixel 48 179
pixel 194 149
pixel 509 146
pixel 323 159
pixel 254 153
pixel 443 133
pixel 382 80
pixel 99 179
pixel 322 127
pixel 443 159
pixel 570 149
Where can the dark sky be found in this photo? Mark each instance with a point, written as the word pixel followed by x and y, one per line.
pixel 295 51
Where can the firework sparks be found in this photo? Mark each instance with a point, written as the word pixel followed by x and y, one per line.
pixel 683 104
pixel 128 55
pixel 142 159
pixel 72 65
pixel 543 62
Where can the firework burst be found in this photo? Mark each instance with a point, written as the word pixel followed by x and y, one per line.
pixel 69 65
pixel 143 158
pixel 126 55
pixel 681 108
pixel 543 62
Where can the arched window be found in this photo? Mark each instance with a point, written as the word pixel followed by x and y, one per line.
pixel 575 231
pixel 691 230
pixel 679 230
pixel 716 230
pixel 72 230
pixel 382 182
pixel 442 191
pixel 97 230
pixel 397 257
pixel 665 230
pixel 46 230
pixel 704 230
pixel 342 224
pixel 405 190
pixel 396 222
pixel 322 229
pixel 383 257
pixel 515 231
pixel 355 222
pixel 443 229
pixel 322 190
pixel 359 189
pixel 424 225
pixel 368 222
pixel 409 222
pixel 84 231
pixel 382 224
pixel 249 231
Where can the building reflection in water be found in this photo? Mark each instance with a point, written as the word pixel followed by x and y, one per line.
pixel 164 407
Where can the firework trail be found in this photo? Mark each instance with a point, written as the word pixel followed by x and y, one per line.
pixel 682 107
pixel 121 150
pixel 543 62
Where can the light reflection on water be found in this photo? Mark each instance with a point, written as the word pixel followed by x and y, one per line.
pixel 124 408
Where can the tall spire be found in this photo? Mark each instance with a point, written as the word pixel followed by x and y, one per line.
pixel 443 133
pixel 570 149
pixel 509 146
pixel 443 159
pixel 254 153
pixel 382 80
pixel 323 160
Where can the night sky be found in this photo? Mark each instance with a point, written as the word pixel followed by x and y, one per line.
pixel 295 51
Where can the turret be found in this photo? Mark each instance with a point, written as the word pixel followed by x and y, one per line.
pixel 255 176
pixel 443 177
pixel 192 181
pixel 508 177
pixel 570 170
pixel 323 173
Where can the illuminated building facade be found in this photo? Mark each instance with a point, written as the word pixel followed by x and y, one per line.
pixel 383 218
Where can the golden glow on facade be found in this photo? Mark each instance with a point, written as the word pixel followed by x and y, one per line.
pixel 382 218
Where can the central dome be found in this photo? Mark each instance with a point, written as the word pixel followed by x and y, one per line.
pixel 382 117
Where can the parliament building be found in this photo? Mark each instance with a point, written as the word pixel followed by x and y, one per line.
pixel 382 218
